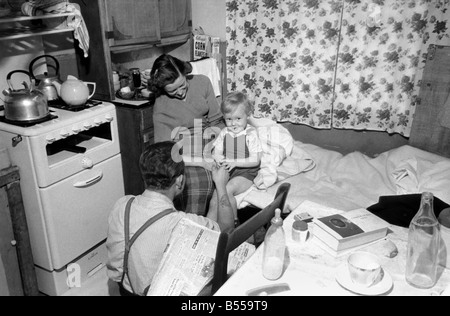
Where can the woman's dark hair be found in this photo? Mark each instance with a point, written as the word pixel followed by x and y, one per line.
pixel 166 69
pixel 159 167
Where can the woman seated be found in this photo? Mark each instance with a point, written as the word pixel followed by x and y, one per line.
pixel 186 111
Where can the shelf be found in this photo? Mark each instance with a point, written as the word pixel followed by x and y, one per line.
pixel 18 32
pixel 24 34
pixel 21 18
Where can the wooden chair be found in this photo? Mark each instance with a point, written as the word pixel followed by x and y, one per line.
pixel 230 240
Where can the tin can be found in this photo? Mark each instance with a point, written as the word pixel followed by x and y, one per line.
pixel 136 75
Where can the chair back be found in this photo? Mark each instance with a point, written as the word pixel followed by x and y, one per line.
pixel 230 240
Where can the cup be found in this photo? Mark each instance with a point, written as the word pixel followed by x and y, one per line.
pixel 364 268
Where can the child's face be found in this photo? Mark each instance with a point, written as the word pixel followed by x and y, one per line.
pixel 236 121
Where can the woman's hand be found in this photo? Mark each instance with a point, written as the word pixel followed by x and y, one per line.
pixel 220 175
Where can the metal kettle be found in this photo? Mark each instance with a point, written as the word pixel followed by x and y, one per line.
pixel 45 82
pixel 24 105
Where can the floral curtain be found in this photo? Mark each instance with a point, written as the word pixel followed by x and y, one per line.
pixel 353 64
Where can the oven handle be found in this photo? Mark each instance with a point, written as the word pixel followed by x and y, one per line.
pixel 95 179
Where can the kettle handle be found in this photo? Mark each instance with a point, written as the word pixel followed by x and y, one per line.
pixel 8 77
pixel 39 57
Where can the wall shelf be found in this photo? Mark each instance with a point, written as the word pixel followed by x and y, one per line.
pixel 19 30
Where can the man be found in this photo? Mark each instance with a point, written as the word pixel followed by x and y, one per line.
pixel 163 175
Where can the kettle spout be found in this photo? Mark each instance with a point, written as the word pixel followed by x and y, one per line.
pixel 6 92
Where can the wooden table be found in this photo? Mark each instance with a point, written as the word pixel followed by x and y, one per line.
pixel 311 271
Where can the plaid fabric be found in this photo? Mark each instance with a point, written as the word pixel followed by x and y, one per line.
pixel 197 192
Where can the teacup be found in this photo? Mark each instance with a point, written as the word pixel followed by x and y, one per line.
pixel 364 268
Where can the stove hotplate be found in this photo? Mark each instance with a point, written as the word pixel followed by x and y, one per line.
pixel 29 123
pixel 59 104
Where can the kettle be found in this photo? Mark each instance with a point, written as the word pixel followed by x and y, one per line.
pixel 24 105
pixel 75 92
pixel 45 81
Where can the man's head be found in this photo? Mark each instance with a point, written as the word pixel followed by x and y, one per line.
pixel 159 169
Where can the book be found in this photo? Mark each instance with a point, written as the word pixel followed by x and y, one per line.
pixel 348 230
pixel 187 265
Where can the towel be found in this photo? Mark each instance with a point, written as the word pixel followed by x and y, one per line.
pixel 40 7
pixel 209 68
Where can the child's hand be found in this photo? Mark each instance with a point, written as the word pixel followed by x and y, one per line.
pixel 229 165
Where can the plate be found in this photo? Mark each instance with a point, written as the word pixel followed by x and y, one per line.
pixel 381 287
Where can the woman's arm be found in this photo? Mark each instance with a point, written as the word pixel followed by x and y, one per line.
pixel 224 214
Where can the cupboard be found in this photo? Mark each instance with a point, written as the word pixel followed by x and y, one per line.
pixel 118 26
pixel 135 135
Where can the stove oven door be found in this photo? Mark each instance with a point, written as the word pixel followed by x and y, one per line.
pixel 76 210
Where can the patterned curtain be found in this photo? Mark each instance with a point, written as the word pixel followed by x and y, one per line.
pixel 353 64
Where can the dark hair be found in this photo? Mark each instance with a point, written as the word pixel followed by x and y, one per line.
pixel 159 168
pixel 166 69
pixel 234 99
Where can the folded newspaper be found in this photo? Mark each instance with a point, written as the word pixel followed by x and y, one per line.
pixel 188 262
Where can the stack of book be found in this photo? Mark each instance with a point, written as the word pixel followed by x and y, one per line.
pixel 343 232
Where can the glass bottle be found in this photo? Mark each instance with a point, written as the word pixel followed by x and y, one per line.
pixel 422 257
pixel 274 249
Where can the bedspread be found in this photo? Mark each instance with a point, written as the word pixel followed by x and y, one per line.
pixel 355 180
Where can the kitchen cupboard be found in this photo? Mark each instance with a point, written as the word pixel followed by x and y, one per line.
pixel 17 274
pixel 118 26
pixel 135 135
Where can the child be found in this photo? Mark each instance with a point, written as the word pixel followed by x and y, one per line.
pixel 237 148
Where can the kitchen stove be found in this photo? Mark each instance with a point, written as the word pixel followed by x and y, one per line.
pixel 71 176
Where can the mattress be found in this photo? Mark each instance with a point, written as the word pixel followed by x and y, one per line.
pixel 357 181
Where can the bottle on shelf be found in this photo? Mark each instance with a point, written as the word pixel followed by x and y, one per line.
pixel 274 249
pixel 422 258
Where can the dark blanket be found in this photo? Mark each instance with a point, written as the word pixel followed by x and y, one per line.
pixel 400 209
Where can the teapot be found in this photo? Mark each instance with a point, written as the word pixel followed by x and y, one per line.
pixel 45 81
pixel 24 105
pixel 74 92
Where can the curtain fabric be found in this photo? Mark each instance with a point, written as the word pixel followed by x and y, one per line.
pixel 346 64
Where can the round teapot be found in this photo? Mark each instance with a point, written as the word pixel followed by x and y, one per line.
pixel 75 92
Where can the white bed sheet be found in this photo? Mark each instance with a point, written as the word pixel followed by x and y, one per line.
pixel 355 180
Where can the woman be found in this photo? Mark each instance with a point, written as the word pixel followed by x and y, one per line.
pixel 186 105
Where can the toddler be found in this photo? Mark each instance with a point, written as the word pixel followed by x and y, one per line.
pixel 237 147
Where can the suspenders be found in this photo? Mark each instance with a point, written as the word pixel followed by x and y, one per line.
pixel 129 242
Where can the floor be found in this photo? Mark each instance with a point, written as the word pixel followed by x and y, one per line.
pixel 97 285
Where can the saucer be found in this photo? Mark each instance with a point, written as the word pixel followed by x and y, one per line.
pixel 381 287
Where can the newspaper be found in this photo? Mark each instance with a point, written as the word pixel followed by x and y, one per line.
pixel 188 262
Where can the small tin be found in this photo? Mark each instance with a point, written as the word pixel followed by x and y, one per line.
pixel 299 231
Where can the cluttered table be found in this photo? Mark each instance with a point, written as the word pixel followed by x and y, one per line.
pixel 311 271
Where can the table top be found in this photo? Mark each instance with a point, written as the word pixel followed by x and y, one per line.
pixel 311 271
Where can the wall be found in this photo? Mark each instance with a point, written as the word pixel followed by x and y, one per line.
pixel 211 15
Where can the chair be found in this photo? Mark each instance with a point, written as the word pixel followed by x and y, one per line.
pixel 230 240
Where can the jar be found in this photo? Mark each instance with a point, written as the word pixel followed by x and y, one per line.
pixel 116 81
pixel 299 231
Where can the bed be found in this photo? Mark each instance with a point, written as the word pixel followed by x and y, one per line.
pixel 348 181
